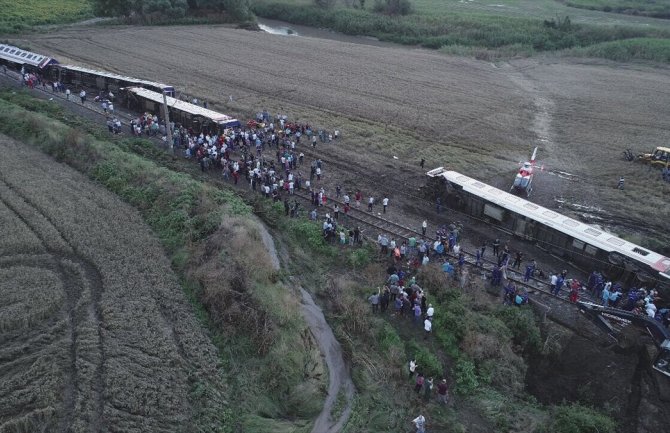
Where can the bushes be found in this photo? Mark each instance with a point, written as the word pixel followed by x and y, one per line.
pixel 393 7
pixel 524 327
pixel 575 418
pixel 657 50
pixel 466 377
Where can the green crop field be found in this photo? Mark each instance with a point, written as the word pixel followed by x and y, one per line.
pixel 20 15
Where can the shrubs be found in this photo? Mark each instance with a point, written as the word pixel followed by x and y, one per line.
pixel 393 7
pixel 575 418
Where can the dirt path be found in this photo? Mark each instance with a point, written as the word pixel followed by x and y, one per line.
pixel 339 378
pixel 338 374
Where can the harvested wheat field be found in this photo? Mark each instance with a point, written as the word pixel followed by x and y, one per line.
pixel 95 332
pixel 470 115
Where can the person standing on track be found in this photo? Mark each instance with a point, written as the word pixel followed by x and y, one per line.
pixel 358 197
pixel 371 201
pixel 82 95
pixel 385 203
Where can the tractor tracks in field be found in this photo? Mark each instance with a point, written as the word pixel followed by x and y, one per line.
pixel 77 275
pixel 544 107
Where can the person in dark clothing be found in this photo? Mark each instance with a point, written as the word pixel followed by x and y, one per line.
pixel 517 260
pixel 286 207
pixel 496 247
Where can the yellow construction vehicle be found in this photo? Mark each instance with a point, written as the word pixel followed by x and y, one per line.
pixel 659 158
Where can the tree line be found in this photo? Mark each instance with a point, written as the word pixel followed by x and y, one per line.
pixel 236 9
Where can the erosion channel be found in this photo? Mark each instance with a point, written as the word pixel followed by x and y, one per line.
pixel 339 377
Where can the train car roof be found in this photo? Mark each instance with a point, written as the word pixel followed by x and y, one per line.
pixel 116 76
pixel 187 107
pixel 584 232
pixel 24 57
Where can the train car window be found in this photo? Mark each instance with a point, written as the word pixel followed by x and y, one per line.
pixel 12 52
pixel 550 214
pixel 7 49
pixel 590 249
pixel 24 54
pixel 478 185
pixel 512 198
pixel 531 206
pixel 615 241
pixel 640 251
pixel 570 223
pixel 578 244
pixel 593 232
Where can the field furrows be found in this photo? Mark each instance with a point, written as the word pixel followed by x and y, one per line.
pixel 93 316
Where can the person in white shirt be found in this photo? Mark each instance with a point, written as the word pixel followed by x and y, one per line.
pixel 385 203
pixel 430 311
pixel 427 326
pixel 412 367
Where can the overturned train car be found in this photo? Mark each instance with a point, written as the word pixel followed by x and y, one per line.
pixel 582 244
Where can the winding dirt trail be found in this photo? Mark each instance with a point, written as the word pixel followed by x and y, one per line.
pixel 338 374
pixel 339 378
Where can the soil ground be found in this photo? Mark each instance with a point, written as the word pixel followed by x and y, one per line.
pixel 472 116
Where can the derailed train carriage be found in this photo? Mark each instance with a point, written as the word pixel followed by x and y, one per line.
pixel 574 241
pixel 104 81
pixel 16 58
pixel 198 118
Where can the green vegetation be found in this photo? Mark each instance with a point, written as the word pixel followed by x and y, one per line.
pixel 575 418
pixel 657 50
pixel 16 16
pixel 650 8
pixel 167 11
pixel 469 33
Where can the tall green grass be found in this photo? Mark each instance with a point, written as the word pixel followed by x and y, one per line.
pixel 16 16
pixel 657 50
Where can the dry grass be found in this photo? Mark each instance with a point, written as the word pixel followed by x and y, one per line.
pixel 105 312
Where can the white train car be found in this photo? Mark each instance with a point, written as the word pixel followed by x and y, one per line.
pixel 573 240
pixel 17 58
pixel 190 115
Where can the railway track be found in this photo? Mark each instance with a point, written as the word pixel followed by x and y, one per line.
pixel 370 222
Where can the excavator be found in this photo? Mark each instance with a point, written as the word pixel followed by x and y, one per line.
pixel 660 157
pixel 619 323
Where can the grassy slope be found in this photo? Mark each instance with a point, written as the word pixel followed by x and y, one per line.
pixel 20 15
pixel 471 29
pixel 192 218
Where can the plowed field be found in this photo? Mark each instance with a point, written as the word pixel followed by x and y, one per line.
pixel 470 115
pixel 95 332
